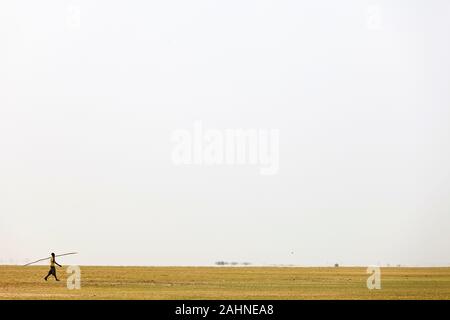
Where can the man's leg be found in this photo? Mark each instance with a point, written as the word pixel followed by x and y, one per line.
pixel 54 274
pixel 48 275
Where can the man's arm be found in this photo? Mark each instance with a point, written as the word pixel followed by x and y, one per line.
pixel 58 264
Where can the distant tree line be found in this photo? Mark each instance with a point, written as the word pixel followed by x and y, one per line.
pixel 233 263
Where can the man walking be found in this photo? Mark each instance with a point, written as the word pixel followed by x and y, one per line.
pixel 52 268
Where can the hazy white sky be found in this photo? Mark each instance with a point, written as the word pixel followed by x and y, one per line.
pixel 91 91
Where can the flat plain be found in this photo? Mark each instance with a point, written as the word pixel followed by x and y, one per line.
pixel 17 282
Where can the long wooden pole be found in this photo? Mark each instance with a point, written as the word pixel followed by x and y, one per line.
pixel 58 255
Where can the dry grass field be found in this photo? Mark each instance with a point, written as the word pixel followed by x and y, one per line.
pixel 18 282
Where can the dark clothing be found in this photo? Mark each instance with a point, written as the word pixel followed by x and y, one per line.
pixel 52 271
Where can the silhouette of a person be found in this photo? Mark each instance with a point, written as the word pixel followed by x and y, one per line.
pixel 52 271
